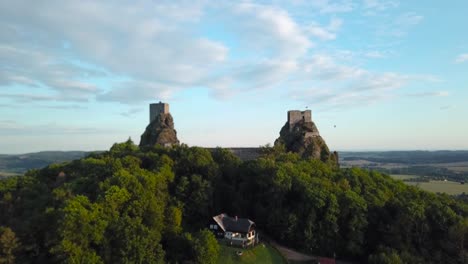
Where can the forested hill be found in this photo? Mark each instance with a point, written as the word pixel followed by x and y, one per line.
pixel 151 205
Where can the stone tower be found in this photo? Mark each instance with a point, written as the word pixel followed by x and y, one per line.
pixel 296 116
pixel 160 130
pixel 158 108
pixel 300 135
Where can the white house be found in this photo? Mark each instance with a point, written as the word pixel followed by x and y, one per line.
pixel 237 231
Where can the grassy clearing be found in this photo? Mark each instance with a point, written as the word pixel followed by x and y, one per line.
pixel 403 176
pixel 459 169
pixel 261 254
pixel 8 174
pixel 448 187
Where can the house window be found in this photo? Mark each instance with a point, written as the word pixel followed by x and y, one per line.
pixel 215 227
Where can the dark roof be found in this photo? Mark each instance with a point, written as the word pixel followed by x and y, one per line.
pixel 233 224
pixel 326 261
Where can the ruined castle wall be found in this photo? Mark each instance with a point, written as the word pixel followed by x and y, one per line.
pixel 311 134
pixel 246 153
pixel 158 108
pixel 243 153
pixel 307 115
pixel 295 116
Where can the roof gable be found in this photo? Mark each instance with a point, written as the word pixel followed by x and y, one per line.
pixel 231 224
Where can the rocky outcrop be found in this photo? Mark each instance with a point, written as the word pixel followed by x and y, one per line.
pixel 160 131
pixel 304 138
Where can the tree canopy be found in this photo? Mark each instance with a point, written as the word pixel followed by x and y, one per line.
pixel 152 205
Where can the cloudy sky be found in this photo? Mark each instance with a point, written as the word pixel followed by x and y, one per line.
pixel 79 75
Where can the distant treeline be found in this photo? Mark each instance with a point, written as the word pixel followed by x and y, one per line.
pixel 23 162
pixel 408 157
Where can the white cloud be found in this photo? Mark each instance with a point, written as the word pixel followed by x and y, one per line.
pixel 64 107
pixel 462 58
pixel 151 44
pixel 335 24
pixel 275 43
pixel 28 97
pixel 158 50
pixel 29 67
pixel 374 54
pixel 272 28
pixel 131 112
pixel 135 91
pixel 400 25
pixel 11 127
pixel 387 81
pixel 379 5
pixel 324 67
pixel 324 33
pixel 447 107
pixel 430 94
pixel 320 32
pixel 326 6
pixel 333 85
pixel 408 19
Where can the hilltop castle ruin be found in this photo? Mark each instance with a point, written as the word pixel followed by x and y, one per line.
pixel 296 117
pixel 299 135
pixel 161 127
pixel 157 109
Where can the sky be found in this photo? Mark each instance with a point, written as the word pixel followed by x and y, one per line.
pixel 377 74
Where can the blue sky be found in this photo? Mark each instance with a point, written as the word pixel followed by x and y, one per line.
pixel 79 75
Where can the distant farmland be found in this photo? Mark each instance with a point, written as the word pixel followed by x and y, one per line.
pixel 448 187
pixel 425 169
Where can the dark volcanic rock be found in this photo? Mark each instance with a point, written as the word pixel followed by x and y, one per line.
pixel 161 131
pixel 303 138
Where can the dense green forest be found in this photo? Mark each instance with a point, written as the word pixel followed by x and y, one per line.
pixel 152 205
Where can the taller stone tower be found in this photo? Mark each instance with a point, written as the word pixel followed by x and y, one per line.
pixel 158 108
pixel 160 130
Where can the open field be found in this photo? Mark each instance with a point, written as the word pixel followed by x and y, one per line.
pixel 403 176
pixel 459 169
pixel 4 174
pixel 261 254
pixel 448 187
pixel 403 159
pixel 454 166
